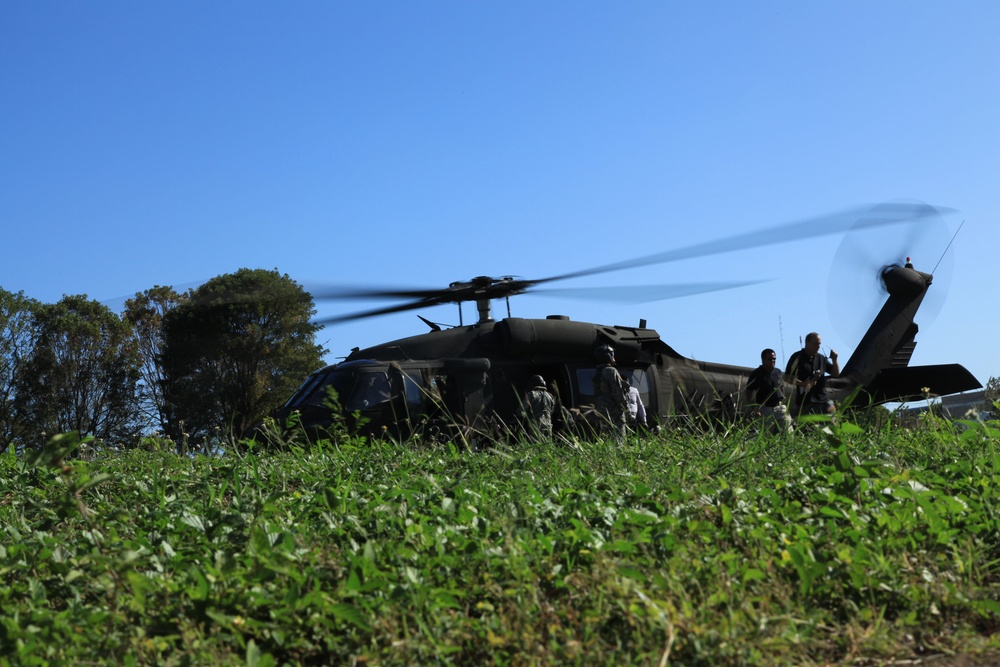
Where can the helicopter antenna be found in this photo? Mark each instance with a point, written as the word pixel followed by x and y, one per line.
pixel 433 325
pixel 781 337
pixel 946 248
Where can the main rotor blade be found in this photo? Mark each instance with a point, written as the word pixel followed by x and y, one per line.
pixel 859 217
pixel 631 294
pixel 453 293
pixel 643 293
pixel 399 308
pixel 351 292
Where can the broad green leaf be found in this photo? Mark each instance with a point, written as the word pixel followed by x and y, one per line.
pixel 631 573
pixel 351 614
pixel 199 588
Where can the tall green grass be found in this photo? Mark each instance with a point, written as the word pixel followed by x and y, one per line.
pixel 832 546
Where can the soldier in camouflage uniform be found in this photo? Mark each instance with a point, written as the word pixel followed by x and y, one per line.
pixel 538 407
pixel 611 393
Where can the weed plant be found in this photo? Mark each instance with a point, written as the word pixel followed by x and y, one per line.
pixel 833 546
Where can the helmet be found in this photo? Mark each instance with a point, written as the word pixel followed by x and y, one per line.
pixel 605 353
pixel 537 381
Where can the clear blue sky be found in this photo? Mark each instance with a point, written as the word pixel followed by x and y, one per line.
pixel 420 143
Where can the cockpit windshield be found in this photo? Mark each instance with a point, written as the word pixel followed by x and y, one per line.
pixel 371 389
pixel 317 389
pixel 353 388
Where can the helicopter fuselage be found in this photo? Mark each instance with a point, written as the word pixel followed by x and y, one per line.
pixel 476 376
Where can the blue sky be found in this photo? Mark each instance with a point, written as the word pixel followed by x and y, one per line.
pixel 416 144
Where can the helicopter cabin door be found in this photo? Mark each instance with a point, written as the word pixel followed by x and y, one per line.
pixel 637 377
pixel 457 394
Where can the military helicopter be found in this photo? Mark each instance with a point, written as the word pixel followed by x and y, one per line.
pixel 472 377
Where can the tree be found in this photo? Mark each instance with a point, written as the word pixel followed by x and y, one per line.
pixel 235 351
pixel 81 374
pixel 145 313
pixel 17 339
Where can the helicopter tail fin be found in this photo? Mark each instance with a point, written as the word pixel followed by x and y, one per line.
pixel 880 363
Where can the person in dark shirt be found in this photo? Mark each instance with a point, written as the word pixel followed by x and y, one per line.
pixel 764 391
pixel 808 371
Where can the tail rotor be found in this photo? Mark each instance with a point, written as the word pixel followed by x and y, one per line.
pixel 856 285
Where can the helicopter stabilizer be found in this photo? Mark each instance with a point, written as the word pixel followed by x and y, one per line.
pixel 915 383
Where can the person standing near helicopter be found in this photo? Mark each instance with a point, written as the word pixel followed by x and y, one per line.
pixel 538 407
pixel 808 370
pixel 636 410
pixel 610 393
pixel 764 391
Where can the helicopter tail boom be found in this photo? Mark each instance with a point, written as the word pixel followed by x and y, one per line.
pixel 880 362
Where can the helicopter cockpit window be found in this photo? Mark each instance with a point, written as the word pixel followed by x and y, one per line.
pixel 585 384
pixel 413 386
pixel 307 388
pixel 372 388
pixel 316 391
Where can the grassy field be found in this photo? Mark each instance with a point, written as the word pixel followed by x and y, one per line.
pixel 832 547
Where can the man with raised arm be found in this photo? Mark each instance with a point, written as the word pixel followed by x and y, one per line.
pixel 808 371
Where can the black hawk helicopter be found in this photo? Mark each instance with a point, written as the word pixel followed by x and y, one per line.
pixel 474 376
